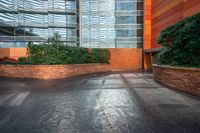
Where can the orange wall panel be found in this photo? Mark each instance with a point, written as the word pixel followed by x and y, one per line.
pixel 126 59
pixel 164 7
pixel 147 23
pixel 160 14
pixel 191 7
pixel 165 13
pixel 13 52
pixel 18 52
pixel 4 52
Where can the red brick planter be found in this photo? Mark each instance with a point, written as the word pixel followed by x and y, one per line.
pixel 51 71
pixel 180 78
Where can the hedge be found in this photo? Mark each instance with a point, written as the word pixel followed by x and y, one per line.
pixel 55 52
pixel 49 54
pixel 181 43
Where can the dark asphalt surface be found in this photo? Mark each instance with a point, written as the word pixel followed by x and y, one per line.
pixel 102 103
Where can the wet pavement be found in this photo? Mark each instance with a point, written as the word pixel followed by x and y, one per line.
pixel 102 103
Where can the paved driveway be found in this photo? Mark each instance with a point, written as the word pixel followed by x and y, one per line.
pixel 103 103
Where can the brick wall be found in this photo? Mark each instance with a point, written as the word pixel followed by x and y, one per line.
pixel 51 71
pixel 180 78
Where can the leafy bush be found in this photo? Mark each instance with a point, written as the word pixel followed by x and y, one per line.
pixel 181 43
pixel 100 55
pixel 23 60
pixel 55 52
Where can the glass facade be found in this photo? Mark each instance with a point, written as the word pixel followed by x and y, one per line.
pixel 88 23
pixel 23 21
pixel 111 23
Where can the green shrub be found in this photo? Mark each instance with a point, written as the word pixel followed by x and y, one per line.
pixel 181 43
pixel 23 60
pixel 100 55
pixel 55 52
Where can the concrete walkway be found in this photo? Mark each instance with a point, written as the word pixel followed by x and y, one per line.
pixel 103 103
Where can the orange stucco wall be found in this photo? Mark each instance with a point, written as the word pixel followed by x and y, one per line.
pixel 18 52
pixel 4 52
pixel 121 58
pixel 13 52
pixel 126 59
pixel 163 14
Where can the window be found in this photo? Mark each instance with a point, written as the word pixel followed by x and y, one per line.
pixel 126 6
pixel 126 33
pixel 109 23
pixel 126 20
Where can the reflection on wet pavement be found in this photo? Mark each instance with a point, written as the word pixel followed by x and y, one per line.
pixel 102 103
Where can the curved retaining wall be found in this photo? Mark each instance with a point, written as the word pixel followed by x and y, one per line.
pixel 180 78
pixel 51 71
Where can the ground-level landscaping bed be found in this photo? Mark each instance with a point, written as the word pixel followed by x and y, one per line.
pixel 51 71
pixel 179 60
pixel 181 78
pixel 55 60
